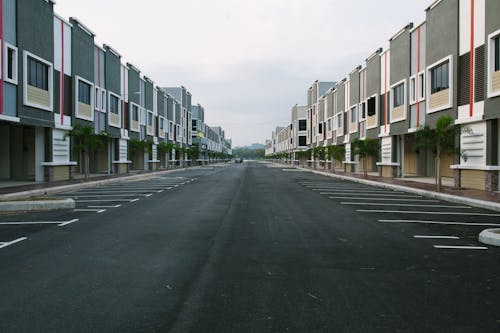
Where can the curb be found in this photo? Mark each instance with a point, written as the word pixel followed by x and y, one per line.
pixel 40 205
pixel 63 188
pixel 429 194
pixel 490 237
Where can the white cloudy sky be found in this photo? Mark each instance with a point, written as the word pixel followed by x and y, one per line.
pixel 246 61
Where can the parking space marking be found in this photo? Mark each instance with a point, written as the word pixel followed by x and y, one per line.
pixel 403 205
pixel 108 200
pixel 371 194
pixel 5 244
pixel 60 223
pixel 98 211
pixel 479 224
pixel 461 247
pixel 115 206
pixel 353 191
pixel 435 237
pixel 107 195
pixel 418 212
pixel 386 199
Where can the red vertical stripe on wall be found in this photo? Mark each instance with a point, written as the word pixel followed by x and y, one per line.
pixel 471 74
pixel 123 102
pixel 416 79
pixel 99 84
pixel 385 93
pixel 1 52
pixel 62 72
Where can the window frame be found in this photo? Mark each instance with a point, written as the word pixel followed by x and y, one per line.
pixel 428 81
pixel 88 86
pixel 397 100
pixel 77 92
pixel 438 77
pixel 134 106
pixel 304 128
pixel 50 83
pixel 15 66
pixel 493 61
pixel 118 99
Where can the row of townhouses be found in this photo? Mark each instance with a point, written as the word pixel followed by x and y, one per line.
pixel 54 76
pixel 448 65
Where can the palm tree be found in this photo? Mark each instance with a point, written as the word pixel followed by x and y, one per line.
pixel 165 148
pixel 336 153
pixel 364 149
pixel 440 140
pixel 85 140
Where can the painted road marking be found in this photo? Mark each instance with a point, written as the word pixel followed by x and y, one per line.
pixel 442 222
pixel 435 237
pixel 402 205
pixel 417 212
pixel 461 247
pixel 98 211
pixel 109 200
pixel 38 222
pixel 69 222
pixel 5 244
pixel 371 194
pixel 386 199
pixel 353 191
pixel 108 195
pixel 115 206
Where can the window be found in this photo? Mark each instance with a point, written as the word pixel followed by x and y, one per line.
pixel 161 124
pixel 330 124
pixel 421 86
pixel 150 119
pixel 372 106
pixel 135 113
pixel 363 110
pixel 440 78
pixel 84 92
pixel 103 100
pixel 340 121
pixel 399 96
pixel 302 141
pixel 114 104
pixel 38 74
pixel 496 41
pixel 143 117
pixel 353 115
pixel 10 63
pixel 302 125
pixel 320 128
pixel 413 90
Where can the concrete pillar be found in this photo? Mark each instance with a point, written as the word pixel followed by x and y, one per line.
pixel 39 154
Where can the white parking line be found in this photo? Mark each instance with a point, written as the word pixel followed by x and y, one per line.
pixel 417 212
pixel 352 191
pixel 115 206
pixel 109 200
pixel 386 199
pixel 371 194
pixel 5 244
pixel 98 211
pixel 435 237
pixel 461 247
pixel 402 205
pixel 442 222
pixel 69 222
pixel 108 195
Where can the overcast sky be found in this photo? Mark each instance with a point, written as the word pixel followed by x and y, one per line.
pixel 247 62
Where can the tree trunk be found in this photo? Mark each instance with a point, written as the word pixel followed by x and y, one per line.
pixel 364 167
pixel 87 165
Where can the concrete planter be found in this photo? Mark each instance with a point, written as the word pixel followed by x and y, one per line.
pixel 39 205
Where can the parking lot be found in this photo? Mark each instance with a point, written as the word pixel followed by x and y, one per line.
pixel 19 227
pixel 433 223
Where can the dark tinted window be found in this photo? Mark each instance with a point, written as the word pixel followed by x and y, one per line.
pixel 439 78
pixel 84 92
pixel 399 97
pixel 38 74
pixel 302 125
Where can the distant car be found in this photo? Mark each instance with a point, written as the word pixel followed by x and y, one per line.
pixel 238 160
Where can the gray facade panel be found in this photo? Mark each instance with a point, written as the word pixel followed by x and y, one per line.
pixel 9 21
pixel 160 103
pixel 373 76
pixel 354 88
pixel 149 93
pixel 491 105
pixel 340 98
pixel 133 86
pixel 113 73
pixel 400 57
pixel 442 41
pixel 82 55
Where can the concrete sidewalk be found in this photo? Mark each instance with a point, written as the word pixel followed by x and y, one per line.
pixel 474 198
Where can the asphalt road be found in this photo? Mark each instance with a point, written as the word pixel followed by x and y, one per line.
pixel 249 248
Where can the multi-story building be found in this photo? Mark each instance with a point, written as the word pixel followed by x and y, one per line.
pixel 54 77
pixel 448 65
pixel 299 133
